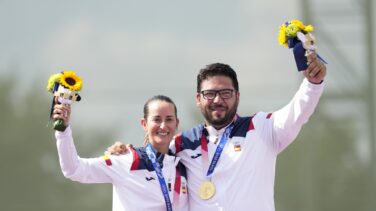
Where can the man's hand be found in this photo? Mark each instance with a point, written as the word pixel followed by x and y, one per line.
pixel 118 148
pixel 316 70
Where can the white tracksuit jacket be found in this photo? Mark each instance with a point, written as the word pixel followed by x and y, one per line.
pixel 244 176
pixel 135 183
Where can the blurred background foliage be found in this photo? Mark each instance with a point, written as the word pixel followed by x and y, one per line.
pixel 320 171
pixel 30 174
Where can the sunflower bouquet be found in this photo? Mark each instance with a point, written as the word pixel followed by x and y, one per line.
pixel 294 34
pixel 64 86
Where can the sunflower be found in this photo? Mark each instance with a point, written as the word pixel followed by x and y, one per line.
pixel 71 81
pixel 52 80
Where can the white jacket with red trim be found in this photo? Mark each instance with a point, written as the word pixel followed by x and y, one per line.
pixel 245 173
pixel 135 183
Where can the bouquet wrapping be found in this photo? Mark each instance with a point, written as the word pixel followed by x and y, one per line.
pixel 294 34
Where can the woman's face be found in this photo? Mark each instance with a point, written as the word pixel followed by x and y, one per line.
pixel 161 124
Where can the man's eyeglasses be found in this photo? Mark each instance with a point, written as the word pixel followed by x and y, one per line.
pixel 223 93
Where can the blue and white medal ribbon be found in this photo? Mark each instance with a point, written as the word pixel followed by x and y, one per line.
pixel 151 155
pixel 218 151
pixel 207 188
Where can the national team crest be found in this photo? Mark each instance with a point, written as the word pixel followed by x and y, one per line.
pixel 183 188
pixel 237 146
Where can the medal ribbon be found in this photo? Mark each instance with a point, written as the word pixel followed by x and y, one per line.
pixel 218 151
pixel 151 155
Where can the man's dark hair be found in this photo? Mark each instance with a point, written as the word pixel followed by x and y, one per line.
pixel 215 70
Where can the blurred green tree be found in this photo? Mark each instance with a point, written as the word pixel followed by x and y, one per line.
pixel 31 178
pixel 322 169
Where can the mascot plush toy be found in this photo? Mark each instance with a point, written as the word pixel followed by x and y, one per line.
pixel 294 34
pixel 64 86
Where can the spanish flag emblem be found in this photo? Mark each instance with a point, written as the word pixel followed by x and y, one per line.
pixel 183 188
pixel 237 147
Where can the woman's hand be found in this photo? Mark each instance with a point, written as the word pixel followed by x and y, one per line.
pixel 63 112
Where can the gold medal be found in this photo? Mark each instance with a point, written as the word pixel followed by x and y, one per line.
pixel 206 190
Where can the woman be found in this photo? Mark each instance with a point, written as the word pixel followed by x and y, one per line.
pixel 147 178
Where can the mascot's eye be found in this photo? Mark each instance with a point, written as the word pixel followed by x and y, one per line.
pixel 70 97
pixel 61 94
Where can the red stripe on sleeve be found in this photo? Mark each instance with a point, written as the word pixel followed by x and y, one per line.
pixel 136 159
pixel 251 126
pixel 177 181
pixel 269 115
pixel 204 144
pixel 108 162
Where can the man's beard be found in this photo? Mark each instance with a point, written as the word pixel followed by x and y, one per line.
pixel 219 123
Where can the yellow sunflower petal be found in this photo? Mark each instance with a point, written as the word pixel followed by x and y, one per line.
pixel 309 28
pixel 71 81
pixel 282 35
pixel 298 23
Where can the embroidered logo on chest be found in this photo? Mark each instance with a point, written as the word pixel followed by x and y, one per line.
pixel 149 178
pixel 196 156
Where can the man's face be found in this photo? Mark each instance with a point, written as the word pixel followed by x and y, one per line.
pixel 220 110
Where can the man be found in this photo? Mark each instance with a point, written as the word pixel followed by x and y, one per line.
pixel 231 160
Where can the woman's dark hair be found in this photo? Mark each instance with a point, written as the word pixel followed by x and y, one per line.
pixel 158 98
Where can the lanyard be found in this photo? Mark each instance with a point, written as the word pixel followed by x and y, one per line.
pixel 218 151
pixel 158 171
pixel 151 155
